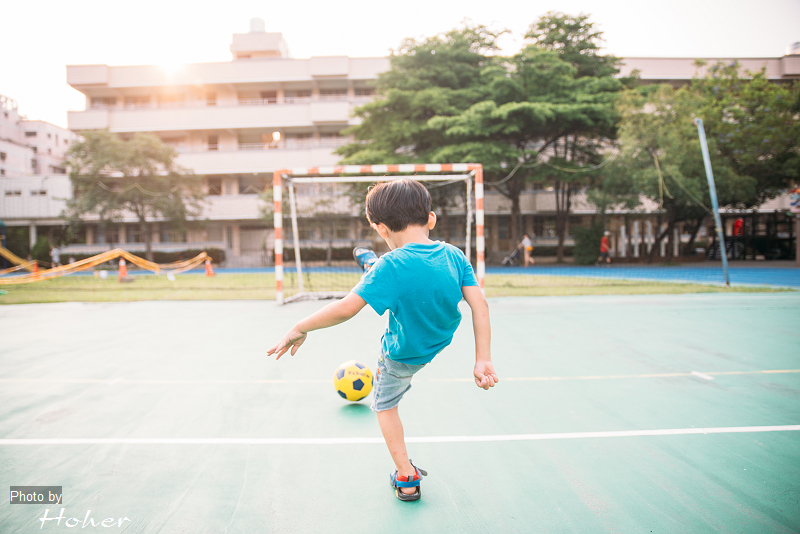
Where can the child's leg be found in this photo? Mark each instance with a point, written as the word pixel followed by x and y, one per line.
pixel 392 428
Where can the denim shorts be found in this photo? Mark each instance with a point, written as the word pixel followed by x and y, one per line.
pixel 391 383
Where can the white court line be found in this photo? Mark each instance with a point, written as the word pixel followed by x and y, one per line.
pixel 701 375
pixel 707 375
pixel 376 440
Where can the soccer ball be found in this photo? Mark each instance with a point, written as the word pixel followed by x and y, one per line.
pixel 352 380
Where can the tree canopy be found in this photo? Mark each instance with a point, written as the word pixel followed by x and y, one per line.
pixel 113 177
pixel 446 99
pixel 753 137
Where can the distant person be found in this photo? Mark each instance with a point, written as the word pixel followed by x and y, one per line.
pixel 738 227
pixel 604 249
pixel 527 248
pixel 420 283
pixel 55 256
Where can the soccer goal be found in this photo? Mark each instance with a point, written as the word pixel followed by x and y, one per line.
pixel 319 219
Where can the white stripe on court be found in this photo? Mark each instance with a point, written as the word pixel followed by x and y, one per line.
pixel 377 440
pixel 702 375
pixel 708 375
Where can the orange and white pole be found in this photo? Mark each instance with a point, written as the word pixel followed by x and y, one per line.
pixel 277 194
pixel 480 240
pixel 123 270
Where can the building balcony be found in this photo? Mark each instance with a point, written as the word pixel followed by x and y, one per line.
pixel 248 71
pixel 251 158
pixel 255 113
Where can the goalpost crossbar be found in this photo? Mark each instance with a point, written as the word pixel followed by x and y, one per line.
pixel 440 172
pixel 372 178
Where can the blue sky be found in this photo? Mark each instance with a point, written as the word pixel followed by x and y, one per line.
pixel 39 38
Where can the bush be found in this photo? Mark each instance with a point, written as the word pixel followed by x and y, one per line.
pixel 17 241
pixel 551 251
pixel 41 250
pixel 217 255
pixel 587 243
pixel 318 254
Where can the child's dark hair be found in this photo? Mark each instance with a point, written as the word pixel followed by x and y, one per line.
pixel 398 204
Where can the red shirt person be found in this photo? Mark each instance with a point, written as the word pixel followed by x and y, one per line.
pixel 604 249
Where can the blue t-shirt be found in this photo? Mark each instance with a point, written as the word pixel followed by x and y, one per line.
pixel 420 285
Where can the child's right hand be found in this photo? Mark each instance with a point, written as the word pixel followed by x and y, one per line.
pixel 292 340
pixel 485 377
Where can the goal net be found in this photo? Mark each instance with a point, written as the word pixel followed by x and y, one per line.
pixel 319 220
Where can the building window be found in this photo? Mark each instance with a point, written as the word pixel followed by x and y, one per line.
pixel 30 134
pixel 502 227
pixel 215 186
pixel 172 236
pixel 38 193
pixel 333 94
pixel 298 140
pixel 2 156
pixel 2 172
pixel 213 142
pixel 171 101
pixel 269 97
pixel 298 96
pixel 14 193
pixel 137 102
pixel 133 233
pixel 365 91
pixel 211 99
pixel 103 102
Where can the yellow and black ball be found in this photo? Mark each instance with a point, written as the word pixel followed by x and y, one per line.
pixel 352 380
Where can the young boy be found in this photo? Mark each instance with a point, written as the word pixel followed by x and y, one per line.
pixel 421 283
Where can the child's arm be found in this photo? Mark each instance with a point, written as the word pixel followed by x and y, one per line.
pixel 485 376
pixel 331 315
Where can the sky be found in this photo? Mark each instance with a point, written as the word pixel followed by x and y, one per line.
pixel 40 37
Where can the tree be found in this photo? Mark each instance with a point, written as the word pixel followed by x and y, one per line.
pixel 661 159
pixel 446 100
pixel 544 119
pixel 587 126
pixel 439 76
pixel 112 177
pixel 756 126
pixel 753 133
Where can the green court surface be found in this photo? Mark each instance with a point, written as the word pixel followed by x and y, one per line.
pixel 674 413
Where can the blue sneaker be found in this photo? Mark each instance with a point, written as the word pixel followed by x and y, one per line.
pixel 365 257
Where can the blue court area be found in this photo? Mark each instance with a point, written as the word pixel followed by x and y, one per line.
pixel 705 274
pixel 785 276
pixel 667 413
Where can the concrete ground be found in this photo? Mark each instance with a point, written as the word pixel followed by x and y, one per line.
pixel 620 414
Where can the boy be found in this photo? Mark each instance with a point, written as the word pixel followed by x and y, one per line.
pixel 421 283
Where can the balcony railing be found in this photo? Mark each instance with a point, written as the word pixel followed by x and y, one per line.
pixel 289 144
pixel 240 102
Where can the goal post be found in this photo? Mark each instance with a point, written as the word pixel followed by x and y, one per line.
pixel 299 272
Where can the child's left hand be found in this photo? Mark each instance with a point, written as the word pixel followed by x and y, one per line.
pixel 292 340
